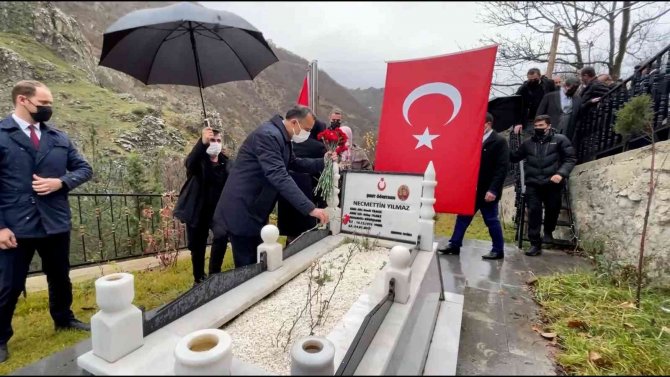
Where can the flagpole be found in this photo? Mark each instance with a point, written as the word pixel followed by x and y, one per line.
pixel 314 86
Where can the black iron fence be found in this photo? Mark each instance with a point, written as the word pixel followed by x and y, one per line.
pixel 595 137
pixel 110 227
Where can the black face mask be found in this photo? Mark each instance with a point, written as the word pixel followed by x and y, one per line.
pixel 335 123
pixel 540 132
pixel 43 113
pixel 534 82
pixel 571 92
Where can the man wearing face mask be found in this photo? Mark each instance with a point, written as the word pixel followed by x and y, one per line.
pixel 39 165
pixel 550 158
pixel 532 91
pixel 562 106
pixel 335 119
pixel 260 175
pixel 207 169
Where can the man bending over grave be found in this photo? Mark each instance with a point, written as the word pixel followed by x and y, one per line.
pixel 259 176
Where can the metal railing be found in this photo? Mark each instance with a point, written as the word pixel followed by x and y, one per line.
pixel 595 137
pixel 109 227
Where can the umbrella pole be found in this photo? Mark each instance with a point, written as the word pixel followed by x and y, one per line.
pixel 197 68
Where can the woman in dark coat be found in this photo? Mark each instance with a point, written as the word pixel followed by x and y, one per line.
pixel 207 170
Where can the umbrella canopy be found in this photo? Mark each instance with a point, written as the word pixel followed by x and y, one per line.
pixel 185 44
pixel 506 112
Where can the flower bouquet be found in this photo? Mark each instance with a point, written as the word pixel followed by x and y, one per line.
pixel 335 141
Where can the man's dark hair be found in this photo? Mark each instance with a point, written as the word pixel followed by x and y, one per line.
pixel 545 118
pixel 216 132
pixel 589 71
pixel 489 118
pixel 571 81
pixel 298 112
pixel 534 71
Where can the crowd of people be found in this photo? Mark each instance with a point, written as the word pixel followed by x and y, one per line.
pixel 278 164
pixel 552 111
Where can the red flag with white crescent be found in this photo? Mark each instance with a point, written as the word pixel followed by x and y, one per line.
pixel 303 98
pixel 434 110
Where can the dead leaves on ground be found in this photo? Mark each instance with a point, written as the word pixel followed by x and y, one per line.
pixel 577 324
pixel 597 359
pixel 627 305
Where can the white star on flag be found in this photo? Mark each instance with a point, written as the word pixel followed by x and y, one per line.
pixel 425 140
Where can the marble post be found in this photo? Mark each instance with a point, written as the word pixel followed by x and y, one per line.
pixel 400 270
pixel 205 352
pixel 333 209
pixel 427 212
pixel 312 356
pixel 116 330
pixel 272 248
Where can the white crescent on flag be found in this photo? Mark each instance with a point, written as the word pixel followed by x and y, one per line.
pixel 442 88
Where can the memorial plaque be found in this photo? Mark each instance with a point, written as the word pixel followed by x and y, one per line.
pixel 383 205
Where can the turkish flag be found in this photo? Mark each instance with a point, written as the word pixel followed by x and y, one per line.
pixel 434 110
pixel 303 98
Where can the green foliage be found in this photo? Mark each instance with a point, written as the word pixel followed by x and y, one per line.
pixel 590 315
pixel 635 117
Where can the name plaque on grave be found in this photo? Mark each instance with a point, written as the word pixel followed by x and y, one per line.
pixel 383 205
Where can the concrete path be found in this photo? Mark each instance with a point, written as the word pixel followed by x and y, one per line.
pixel 496 333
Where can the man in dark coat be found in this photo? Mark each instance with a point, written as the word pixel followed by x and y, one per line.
pixel 532 91
pixel 592 90
pixel 562 106
pixel 259 176
pixel 39 165
pixel 290 221
pixel 492 172
pixel 206 173
pixel 550 158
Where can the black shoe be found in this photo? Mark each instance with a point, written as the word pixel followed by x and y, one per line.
pixel 548 239
pixel 453 250
pixel 198 281
pixel 534 251
pixel 492 255
pixel 4 353
pixel 74 324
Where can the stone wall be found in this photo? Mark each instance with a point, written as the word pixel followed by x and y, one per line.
pixel 609 201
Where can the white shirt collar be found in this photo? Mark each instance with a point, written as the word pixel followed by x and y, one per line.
pixel 23 124
pixel 486 135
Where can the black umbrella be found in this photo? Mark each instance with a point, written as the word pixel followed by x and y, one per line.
pixel 506 111
pixel 185 44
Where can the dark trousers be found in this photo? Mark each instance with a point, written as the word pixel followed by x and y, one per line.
pixel 54 251
pixel 489 212
pixel 537 195
pixel 197 243
pixel 245 249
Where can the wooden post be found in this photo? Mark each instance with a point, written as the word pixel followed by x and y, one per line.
pixel 552 53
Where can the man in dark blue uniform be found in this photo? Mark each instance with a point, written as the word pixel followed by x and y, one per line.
pixel 39 165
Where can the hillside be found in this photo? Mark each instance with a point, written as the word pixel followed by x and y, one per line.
pixel 371 99
pixel 59 44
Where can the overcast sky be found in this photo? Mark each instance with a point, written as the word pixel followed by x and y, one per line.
pixel 352 40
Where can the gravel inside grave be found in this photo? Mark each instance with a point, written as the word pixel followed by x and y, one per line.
pixel 255 332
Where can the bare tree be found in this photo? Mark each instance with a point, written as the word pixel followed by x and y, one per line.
pixel 591 33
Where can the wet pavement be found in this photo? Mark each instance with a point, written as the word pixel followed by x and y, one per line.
pixel 496 333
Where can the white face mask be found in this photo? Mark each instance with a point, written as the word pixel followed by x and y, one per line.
pixel 301 136
pixel 214 149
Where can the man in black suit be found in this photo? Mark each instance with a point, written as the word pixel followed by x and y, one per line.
pixel 562 106
pixel 39 166
pixel 592 90
pixel 532 91
pixel 492 171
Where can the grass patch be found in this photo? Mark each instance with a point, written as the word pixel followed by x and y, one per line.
pixel 477 230
pixel 594 317
pixel 34 336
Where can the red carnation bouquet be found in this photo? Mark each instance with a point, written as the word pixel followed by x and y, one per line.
pixel 335 141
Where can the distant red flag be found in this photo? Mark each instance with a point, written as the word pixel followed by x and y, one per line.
pixel 303 98
pixel 434 110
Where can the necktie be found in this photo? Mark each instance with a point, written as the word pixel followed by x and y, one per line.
pixel 34 138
